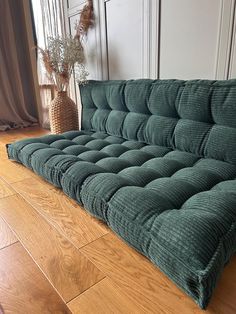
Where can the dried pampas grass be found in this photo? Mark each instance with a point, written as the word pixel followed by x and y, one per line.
pixel 86 20
pixel 62 56
pixel 46 60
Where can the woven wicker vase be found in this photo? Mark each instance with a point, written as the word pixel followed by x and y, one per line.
pixel 63 114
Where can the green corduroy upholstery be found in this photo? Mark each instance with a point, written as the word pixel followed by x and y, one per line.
pixel 155 160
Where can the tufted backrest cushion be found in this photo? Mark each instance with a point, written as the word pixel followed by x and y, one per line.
pixel 197 116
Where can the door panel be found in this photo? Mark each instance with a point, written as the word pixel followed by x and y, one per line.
pixel 124 38
pixel 189 32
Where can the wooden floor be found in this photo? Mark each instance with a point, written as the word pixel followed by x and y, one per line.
pixel 55 258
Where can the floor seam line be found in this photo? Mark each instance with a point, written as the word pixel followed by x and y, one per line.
pixel 86 289
pixel 17 241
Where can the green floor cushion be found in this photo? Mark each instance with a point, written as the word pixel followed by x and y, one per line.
pixel 156 161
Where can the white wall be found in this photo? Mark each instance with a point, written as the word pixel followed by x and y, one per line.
pixel 183 39
pixel 189 31
pixel 124 38
pixel 232 64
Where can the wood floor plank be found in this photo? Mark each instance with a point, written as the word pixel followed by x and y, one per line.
pixel 18 134
pixel 5 189
pixel 104 298
pixel 224 297
pixel 23 287
pixel 61 211
pixel 12 171
pixel 3 152
pixel 138 278
pixel 67 269
pixel 32 132
pixel 147 285
pixel 7 237
pixel 8 138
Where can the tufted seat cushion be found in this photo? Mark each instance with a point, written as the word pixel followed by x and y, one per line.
pixel 155 160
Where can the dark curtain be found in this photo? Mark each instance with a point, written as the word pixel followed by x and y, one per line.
pixel 17 97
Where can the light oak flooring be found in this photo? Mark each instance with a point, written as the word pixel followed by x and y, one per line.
pixel 56 258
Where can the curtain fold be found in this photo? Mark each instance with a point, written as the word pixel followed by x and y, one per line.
pixel 18 106
pixel 49 22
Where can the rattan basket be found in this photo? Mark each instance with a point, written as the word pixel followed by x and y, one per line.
pixel 63 114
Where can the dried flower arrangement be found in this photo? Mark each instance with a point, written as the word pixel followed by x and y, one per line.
pixel 64 55
pixel 86 20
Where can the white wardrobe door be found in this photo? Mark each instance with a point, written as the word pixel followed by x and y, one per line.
pixel 189 31
pixel 232 71
pixel 232 66
pixel 124 38
pixel 74 3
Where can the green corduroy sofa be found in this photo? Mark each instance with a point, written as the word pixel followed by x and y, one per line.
pixel 155 160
